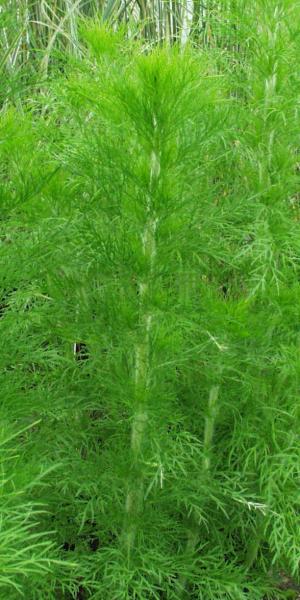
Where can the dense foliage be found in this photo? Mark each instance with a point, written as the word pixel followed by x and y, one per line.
pixel 150 320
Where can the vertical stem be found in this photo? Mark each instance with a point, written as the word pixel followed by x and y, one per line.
pixel 160 21
pixel 193 537
pixel 167 21
pixel 196 22
pixel 175 21
pixel 73 17
pixel 209 426
pixel 186 20
pixel 270 29
pixel 142 375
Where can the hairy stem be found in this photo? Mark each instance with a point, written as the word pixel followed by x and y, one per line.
pixel 142 375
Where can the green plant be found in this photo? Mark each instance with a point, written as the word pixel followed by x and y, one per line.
pixel 149 319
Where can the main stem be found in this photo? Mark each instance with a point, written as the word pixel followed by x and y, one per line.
pixel 142 374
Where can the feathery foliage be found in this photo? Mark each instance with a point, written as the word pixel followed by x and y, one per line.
pixel 149 319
